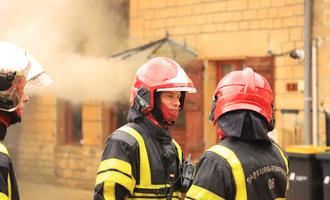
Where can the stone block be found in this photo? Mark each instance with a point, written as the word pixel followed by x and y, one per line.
pixel 262 13
pixel 244 25
pixel 299 9
pixel 242 44
pixel 277 23
pixel 296 34
pixel 222 17
pixel 290 21
pixel 91 133
pixel 179 30
pixel 233 26
pixel 255 24
pixel 279 36
pixel 237 5
pixel 277 3
pixel 254 4
pixel 197 9
pixel 249 14
pixel 286 11
pixel 273 12
pixel 265 3
pixel 133 8
pixel 214 7
pixel 184 11
pixel 187 20
pixel 266 23
pixel 208 28
pixel 92 113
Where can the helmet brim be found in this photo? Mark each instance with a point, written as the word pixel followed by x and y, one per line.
pixel 179 89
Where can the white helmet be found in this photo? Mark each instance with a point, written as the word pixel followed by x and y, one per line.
pixel 17 70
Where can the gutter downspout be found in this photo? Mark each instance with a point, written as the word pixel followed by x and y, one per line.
pixel 307 69
pixel 315 92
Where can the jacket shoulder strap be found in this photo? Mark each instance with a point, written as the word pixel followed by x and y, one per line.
pixel 237 169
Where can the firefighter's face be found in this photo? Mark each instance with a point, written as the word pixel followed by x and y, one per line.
pixel 20 109
pixel 171 99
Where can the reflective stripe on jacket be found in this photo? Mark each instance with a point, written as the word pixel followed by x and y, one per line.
pixel 132 161
pixel 237 170
pixel 7 194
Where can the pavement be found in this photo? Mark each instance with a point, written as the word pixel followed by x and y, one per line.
pixel 37 191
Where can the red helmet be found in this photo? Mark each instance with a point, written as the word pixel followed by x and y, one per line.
pixel 158 74
pixel 243 90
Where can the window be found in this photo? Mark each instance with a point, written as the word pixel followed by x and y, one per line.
pixel 114 116
pixel 70 122
pixel 224 67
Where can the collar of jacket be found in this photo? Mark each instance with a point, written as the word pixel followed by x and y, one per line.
pixel 3 131
pixel 244 124
pixel 160 134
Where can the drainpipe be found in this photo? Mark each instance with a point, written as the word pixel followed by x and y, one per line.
pixel 314 92
pixel 307 66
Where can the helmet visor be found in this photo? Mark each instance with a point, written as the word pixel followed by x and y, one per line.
pixel 36 75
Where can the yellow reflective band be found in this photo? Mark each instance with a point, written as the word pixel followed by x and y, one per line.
pixel 114 163
pixel 145 177
pixel 9 187
pixel 196 192
pixel 3 196
pixel 280 199
pixel 3 149
pixel 284 158
pixel 179 149
pixel 109 190
pixel 236 167
pixel 116 177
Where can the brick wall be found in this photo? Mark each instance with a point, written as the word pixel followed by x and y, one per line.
pixel 37 142
pixel 43 157
pixel 321 30
pixel 232 29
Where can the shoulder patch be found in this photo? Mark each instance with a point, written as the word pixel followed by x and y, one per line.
pixel 123 136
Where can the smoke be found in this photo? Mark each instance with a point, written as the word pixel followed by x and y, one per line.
pixel 72 39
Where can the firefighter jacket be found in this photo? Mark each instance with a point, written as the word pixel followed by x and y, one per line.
pixel 228 171
pixel 253 168
pixel 133 165
pixel 8 185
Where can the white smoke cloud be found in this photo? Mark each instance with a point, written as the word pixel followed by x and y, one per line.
pixel 72 39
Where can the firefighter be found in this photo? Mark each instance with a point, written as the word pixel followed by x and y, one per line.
pixel 18 69
pixel 246 163
pixel 141 160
